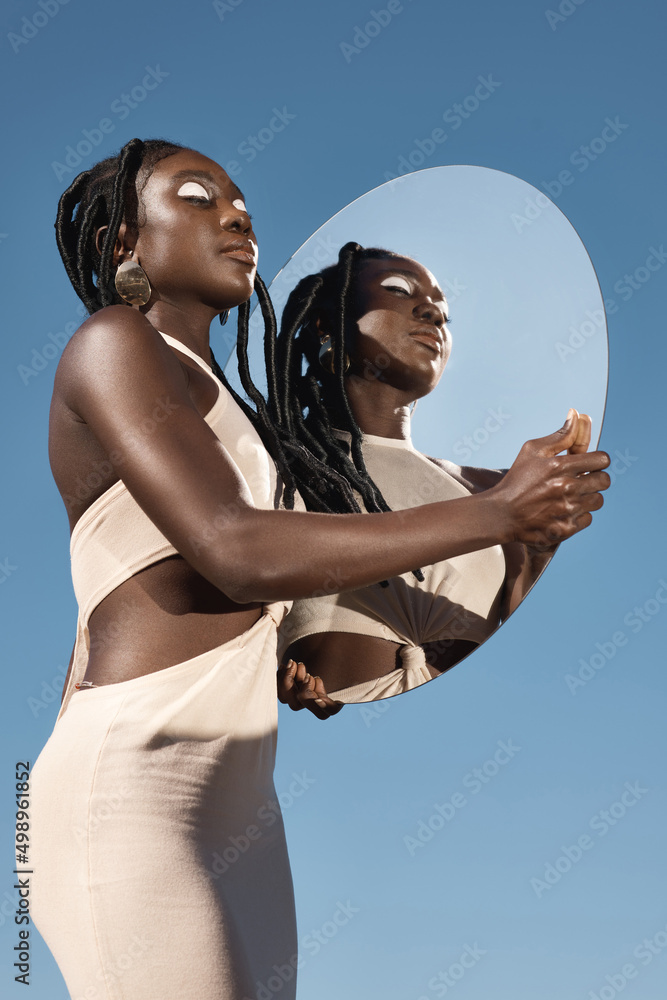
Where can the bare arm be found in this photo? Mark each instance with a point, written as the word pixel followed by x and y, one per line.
pixel 184 479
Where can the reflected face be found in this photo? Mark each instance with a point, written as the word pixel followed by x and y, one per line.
pixel 401 315
pixel 196 241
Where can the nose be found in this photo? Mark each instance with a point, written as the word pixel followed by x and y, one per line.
pixel 430 312
pixel 235 220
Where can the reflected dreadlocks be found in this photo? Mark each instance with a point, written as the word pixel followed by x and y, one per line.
pixel 308 406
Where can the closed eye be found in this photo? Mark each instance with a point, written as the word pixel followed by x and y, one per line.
pixel 397 284
pixel 194 192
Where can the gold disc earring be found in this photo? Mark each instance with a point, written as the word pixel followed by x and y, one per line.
pixel 132 283
pixel 326 355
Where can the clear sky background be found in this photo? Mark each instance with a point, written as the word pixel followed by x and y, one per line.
pixel 574 684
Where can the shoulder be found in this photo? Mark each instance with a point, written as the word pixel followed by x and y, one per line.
pixel 114 346
pixel 474 479
pixel 116 330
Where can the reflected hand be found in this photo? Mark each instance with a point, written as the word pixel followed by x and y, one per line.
pixel 549 496
pixel 298 689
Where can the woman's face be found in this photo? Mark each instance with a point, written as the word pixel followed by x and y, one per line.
pixel 195 238
pixel 401 315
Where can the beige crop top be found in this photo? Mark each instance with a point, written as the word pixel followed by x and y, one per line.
pixel 114 539
pixel 458 599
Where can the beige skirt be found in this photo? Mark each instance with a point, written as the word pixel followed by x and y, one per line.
pixel 158 849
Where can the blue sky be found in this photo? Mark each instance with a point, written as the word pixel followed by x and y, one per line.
pixel 314 110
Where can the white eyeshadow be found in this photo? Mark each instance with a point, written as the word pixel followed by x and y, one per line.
pixel 192 189
pixel 240 204
pixel 397 280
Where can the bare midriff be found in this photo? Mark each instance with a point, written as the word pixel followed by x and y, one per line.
pixel 343 659
pixel 161 616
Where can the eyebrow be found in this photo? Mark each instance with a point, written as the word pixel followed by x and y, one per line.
pixel 204 175
pixel 409 274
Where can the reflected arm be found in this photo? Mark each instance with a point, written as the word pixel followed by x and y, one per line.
pixel 525 563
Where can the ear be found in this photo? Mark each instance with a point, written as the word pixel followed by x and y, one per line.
pixel 121 247
pixel 322 326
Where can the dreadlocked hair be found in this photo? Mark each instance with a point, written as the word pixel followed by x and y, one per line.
pixel 307 407
pixel 103 196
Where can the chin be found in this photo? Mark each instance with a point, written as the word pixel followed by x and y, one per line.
pixel 238 291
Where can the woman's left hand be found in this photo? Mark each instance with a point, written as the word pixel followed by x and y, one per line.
pixel 298 689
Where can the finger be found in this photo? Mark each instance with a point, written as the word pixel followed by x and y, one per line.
pixel 321 707
pixel 285 680
pixel 594 501
pixel 319 688
pixel 301 673
pixel 583 438
pixel 591 461
pixel 594 482
pixel 323 699
pixel 560 440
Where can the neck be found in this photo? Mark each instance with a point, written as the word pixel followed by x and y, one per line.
pixel 190 326
pixel 379 408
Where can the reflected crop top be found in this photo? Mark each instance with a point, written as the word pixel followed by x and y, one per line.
pixel 458 599
pixel 114 539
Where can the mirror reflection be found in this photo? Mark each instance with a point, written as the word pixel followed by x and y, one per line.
pixel 518 354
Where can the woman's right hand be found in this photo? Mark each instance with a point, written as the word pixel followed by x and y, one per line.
pixel 549 496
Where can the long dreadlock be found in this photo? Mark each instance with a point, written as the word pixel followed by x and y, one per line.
pixel 308 407
pixel 104 196
pixel 323 474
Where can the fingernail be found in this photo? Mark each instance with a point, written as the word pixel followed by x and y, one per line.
pixel 570 416
pixel 322 704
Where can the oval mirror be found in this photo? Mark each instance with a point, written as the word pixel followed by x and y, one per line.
pixel 529 340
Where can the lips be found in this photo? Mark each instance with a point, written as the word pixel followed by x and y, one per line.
pixel 429 336
pixel 243 250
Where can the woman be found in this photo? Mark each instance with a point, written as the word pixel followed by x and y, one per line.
pixel 158 848
pixel 390 328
